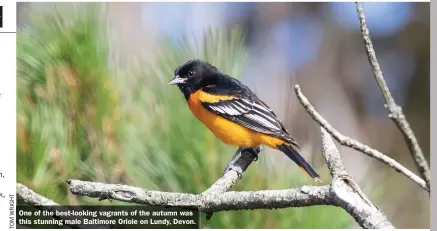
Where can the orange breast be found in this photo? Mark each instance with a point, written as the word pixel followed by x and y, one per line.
pixel 229 132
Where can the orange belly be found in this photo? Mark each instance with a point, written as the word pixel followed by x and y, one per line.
pixel 229 132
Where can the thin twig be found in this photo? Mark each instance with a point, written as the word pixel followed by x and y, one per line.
pixel 395 111
pixel 355 144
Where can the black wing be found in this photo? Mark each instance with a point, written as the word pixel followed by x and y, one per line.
pixel 247 110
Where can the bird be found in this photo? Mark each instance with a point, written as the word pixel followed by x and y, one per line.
pixel 234 113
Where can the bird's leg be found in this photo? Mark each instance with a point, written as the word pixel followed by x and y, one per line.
pixel 234 157
pixel 229 165
pixel 254 152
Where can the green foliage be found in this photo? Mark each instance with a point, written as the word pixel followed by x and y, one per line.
pixel 81 118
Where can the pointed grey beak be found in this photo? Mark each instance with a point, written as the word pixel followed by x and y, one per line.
pixel 177 80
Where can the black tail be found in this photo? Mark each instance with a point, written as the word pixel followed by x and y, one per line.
pixel 288 150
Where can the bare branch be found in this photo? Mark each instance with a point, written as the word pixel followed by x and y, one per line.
pixel 305 196
pixel 352 143
pixel 343 192
pixel 32 198
pixel 395 111
pixel 214 199
pixel 332 156
pixel 347 194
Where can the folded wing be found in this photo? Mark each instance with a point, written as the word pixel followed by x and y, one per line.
pixel 245 109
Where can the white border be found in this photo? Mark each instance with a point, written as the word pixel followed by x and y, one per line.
pixel 8 114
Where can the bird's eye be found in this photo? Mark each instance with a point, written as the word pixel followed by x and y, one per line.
pixel 191 73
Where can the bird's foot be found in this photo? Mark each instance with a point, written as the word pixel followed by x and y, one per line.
pixel 252 151
pixel 232 161
pixel 237 169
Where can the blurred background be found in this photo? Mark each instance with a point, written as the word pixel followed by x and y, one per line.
pixel 94 104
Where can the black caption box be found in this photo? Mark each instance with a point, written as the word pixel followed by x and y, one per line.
pixel 106 217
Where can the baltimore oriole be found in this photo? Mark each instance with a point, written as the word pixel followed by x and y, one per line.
pixel 233 113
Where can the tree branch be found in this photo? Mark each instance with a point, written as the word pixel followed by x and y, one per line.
pixel 347 194
pixel 343 192
pixel 298 197
pixel 355 144
pixel 395 111
pixel 34 199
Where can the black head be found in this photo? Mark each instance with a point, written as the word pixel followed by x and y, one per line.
pixel 193 75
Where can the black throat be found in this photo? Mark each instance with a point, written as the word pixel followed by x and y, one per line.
pixel 186 90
